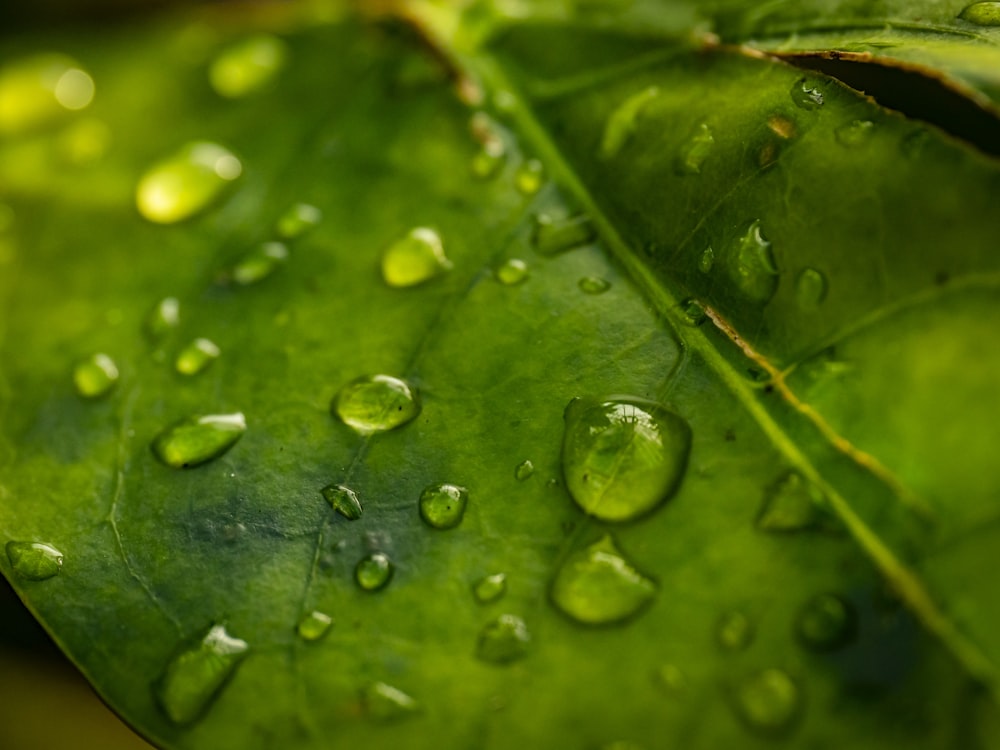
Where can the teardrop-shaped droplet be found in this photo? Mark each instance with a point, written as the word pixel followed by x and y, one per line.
pixel 443 505
pixel 314 626
pixel 247 66
pixel 373 572
pixel 598 586
pixel 556 235
pixel 34 561
pixel 186 183
pixel 982 14
pixel 95 376
pixel 259 263
pixel 529 177
pixel 298 220
pixel 384 703
pixel 195 677
pixel 807 95
pixel 376 403
pixel 490 588
pixel 734 631
pixel 623 457
pixel 197 440
pixel 196 357
pixel 524 470
pixel 810 289
pixel 593 285
pixel 163 318
pixel 512 271
pixel 503 640
pixel 41 90
pixel 855 133
pixel 706 260
pixel 695 150
pixel 489 160
pixel 416 258
pixel 794 504
pixel 826 623
pixel 768 702
pixel 344 500
pixel 623 121
pixel 751 264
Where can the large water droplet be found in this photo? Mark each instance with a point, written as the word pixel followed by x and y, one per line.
pixel 40 90
pixel 593 285
pixel 524 470
pixel 416 258
pixel 511 272
pixel 598 586
pixel 529 177
pixel 806 95
pixel 503 640
pixel 373 572
pixel 385 703
pixel 623 457
pixel 197 440
pixel 826 623
pixel 490 588
pixel 768 702
pixel 196 356
pixel 751 264
pixel 793 504
pixel 34 561
pixel 314 626
pixel 695 150
pixel 555 235
pixel 376 403
pixel 443 505
pixel 810 289
pixel 196 676
pixel 186 183
pixel 163 318
pixel 734 631
pixel 95 376
pixel 247 66
pixel 344 500
pixel 259 263
pixel 298 220
pixel 982 14
pixel 622 122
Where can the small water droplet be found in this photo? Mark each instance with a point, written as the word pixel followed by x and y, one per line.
pixel 373 572
pixel 503 640
pixel 524 470
pixel 376 403
pixel 95 376
pixel 490 588
pixel 489 159
pixel 163 318
pixel 197 440
pixel 793 504
pixel 593 285
pixel 806 95
pixel 298 220
pixel 186 183
pixel 623 457
pixel 314 626
pixel 768 702
pixel 259 263
pixel 855 133
pixel 34 561
pixel 416 258
pixel 196 675
pixel 247 66
pixel 196 356
pixel 810 289
pixel 511 272
pixel 751 264
pixel 555 235
pixel 693 312
pixel 695 150
pixel 734 631
pixel 982 14
pixel 443 505
pixel 40 90
pixel 529 177
pixel 344 500
pixel 826 623
pixel 622 122
pixel 385 703
pixel 598 586
pixel 706 260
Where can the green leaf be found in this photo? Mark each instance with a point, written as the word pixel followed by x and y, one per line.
pixel 772 296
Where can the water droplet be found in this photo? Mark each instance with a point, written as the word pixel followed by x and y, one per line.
pixel 443 505
pixel 693 312
pixel 197 440
pixel 196 356
pixel 385 703
pixel 314 626
pixel 34 561
pixel 524 470
pixel 806 96
pixel 793 504
pixel 768 701
pixel 196 676
pixel 622 122
pixel 598 586
pixel 163 318
pixel 373 572
pixel 186 183
pixel 95 376
pixel 623 457
pixel 344 500
pixel 982 14
pixel 298 220
pixel 511 272
pixel 259 263
pixel 247 66
pixel 414 259
pixel 593 285
pixel 734 631
pixel 40 90
pixel 706 260
pixel 503 640
pixel 490 588
pixel 751 264
pixel 826 623
pixel 489 159
pixel 529 177
pixel 376 403
pixel 810 289
pixel 555 235
pixel 855 133
pixel 695 150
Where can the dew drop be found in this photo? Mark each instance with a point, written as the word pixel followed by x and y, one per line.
pixel 376 403
pixel 734 631
pixel 622 122
pixel 186 183
pixel 34 561
pixel 623 457
pixel 416 258
pixel 593 285
pixel 247 66
pixel 793 504
pixel 443 505
pixel 490 588
pixel 751 264
pixel 768 702
pixel 196 676
pixel 373 572
pixel 259 263
pixel 95 376
pixel 314 626
pixel 826 623
pixel 163 318
pixel 524 470
pixel 598 586
pixel 503 640
pixel 344 500
pixel 706 260
pixel 511 272
pixel 298 220
pixel 693 312
pixel 489 159
pixel 40 90
pixel 806 95
pixel 196 356
pixel 810 289
pixel 855 133
pixel 556 235
pixel 529 177
pixel 384 703
pixel 695 150
pixel 197 440
pixel 982 14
